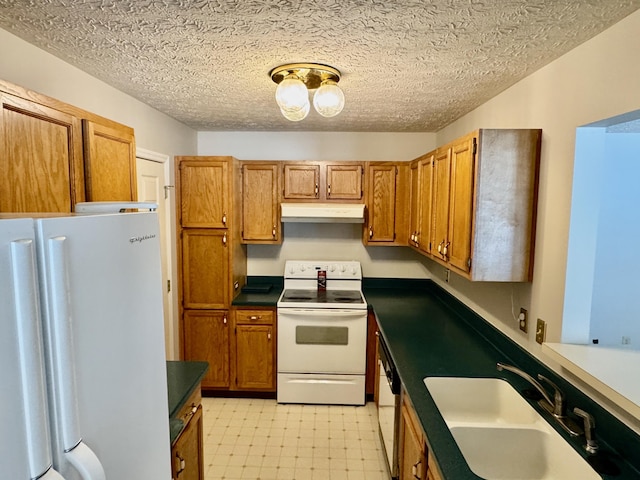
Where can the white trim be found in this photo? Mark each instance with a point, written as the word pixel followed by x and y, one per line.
pixel 152 156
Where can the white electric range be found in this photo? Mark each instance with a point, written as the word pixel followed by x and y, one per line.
pixel 322 334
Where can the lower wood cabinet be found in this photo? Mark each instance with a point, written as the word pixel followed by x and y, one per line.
pixel 255 349
pixel 240 347
pixel 415 460
pixel 186 451
pixel 207 339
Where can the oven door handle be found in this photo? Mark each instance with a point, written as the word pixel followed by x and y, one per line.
pixel 322 313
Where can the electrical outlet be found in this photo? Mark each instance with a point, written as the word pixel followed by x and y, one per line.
pixel 522 320
pixel 541 330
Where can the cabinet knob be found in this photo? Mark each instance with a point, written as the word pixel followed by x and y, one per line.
pixel 224 320
pixel 224 218
pixel 273 232
pixel 328 190
pixel 269 336
pixel 181 464
pixel 316 190
pixel 370 232
pixel 224 239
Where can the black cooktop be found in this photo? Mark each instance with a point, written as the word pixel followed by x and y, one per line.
pixel 322 296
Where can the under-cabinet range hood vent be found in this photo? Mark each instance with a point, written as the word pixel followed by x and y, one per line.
pixel 323 212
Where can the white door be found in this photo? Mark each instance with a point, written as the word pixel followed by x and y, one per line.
pixel 151 188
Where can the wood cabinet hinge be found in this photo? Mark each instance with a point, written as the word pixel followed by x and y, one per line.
pixel 475 146
pixel 469 262
pixel 396 170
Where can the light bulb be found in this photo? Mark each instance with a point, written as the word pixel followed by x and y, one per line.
pixel 292 94
pixel 328 99
pixel 297 115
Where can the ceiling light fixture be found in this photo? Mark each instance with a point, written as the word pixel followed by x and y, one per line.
pixel 294 82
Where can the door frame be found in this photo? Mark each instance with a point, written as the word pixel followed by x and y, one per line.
pixel 145 154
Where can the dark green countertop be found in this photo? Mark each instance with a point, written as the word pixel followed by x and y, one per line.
pixel 430 333
pixel 260 292
pixel 182 379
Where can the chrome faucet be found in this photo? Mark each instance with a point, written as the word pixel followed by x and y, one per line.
pixel 555 407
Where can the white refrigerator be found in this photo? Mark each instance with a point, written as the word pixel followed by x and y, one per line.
pixel 83 387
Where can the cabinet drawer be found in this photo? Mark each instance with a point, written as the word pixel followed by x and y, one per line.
pixel 255 317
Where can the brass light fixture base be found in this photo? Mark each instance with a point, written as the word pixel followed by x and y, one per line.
pixel 311 74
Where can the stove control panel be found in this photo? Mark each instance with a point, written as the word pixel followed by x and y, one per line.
pixel 335 270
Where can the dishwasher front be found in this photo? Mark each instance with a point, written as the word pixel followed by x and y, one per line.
pixel 388 406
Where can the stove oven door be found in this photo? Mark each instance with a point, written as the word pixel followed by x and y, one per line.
pixel 331 341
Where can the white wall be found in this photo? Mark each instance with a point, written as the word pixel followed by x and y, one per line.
pixel 324 241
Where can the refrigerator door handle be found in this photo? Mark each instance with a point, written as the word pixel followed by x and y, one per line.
pixel 32 375
pixel 79 454
pixel 86 462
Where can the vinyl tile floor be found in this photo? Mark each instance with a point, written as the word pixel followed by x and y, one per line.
pixel 261 440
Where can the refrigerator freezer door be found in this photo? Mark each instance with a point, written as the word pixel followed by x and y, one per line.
pixel 114 310
pixel 25 450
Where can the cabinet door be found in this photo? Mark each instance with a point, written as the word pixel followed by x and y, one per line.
pixel 412 460
pixel 206 339
pixel 301 181
pixel 381 203
pixel 109 162
pixel 344 182
pixel 186 454
pixel 441 178
pixel 426 204
pixel 204 193
pixel 40 158
pixel 414 204
pixel 255 353
pixel 260 206
pixel 205 268
pixel 461 203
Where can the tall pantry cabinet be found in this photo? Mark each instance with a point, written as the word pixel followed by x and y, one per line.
pixel 212 260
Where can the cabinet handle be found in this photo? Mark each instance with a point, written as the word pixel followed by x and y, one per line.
pixel 255 317
pixel 440 247
pixel 370 231
pixel 316 190
pixel 236 285
pixel 415 470
pixel 446 248
pixel 224 218
pixel 224 239
pixel 273 232
pixel 224 320
pixel 180 465
pixel 269 336
pixel 328 190
pixel 417 237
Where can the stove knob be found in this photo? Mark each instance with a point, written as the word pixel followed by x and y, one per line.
pixel 292 268
pixel 302 268
pixel 332 268
pixel 353 270
pixel 343 268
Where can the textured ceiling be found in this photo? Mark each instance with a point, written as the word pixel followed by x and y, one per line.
pixel 407 65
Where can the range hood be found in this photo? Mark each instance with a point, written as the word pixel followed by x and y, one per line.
pixel 323 212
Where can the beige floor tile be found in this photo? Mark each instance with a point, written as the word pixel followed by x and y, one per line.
pixel 260 439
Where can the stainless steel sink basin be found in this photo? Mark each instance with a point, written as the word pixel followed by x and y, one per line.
pixel 500 435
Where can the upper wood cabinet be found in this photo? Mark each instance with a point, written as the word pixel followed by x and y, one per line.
pixel 41 157
pixel 386 222
pixel 421 211
pixel 204 192
pixel 109 162
pixel 261 203
pixel 323 181
pixel 483 203
pixel 53 155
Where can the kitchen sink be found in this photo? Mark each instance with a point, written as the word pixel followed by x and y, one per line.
pixel 500 435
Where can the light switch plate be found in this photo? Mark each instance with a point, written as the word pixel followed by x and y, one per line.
pixel 541 330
